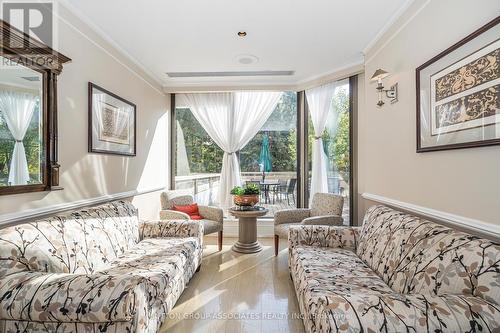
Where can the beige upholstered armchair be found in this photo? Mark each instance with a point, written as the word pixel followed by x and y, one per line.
pixel 326 209
pixel 212 216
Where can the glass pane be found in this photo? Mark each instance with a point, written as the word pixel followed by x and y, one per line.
pixel 336 143
pixel 199 159
pixel 270 158
pixel 21 118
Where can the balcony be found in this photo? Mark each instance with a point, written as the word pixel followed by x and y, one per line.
pixel 204 188
pixel 278 191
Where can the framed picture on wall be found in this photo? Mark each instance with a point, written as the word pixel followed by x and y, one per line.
pixel 458 94
pixel 112 123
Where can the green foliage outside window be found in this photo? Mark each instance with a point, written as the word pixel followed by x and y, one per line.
pixel 204 156
pixel 336 147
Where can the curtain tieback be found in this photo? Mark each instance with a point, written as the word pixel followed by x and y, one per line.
pixel 317 137
pixel 230 153
pixel 19 141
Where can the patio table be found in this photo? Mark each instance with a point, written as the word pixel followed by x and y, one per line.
pixel 266 186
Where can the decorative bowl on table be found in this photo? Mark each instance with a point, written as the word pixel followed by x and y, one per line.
pixel 246 196
pixel 246 200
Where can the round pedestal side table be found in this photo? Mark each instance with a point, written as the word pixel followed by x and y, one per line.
pixel 247 230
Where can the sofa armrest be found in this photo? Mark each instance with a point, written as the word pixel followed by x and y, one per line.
pixel 323 220
pixel 167 214
pixel 324 236
pixel 212 213
pixel 291 215
pixel 399 312
pixel 171 228
pixel 62 297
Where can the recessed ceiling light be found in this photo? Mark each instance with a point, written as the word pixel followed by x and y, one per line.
pixel 247 59
pixel 242 33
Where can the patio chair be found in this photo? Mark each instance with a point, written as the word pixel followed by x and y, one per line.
pixel 280 189
pixel 212 216
pixel 288 190
pixel 326 209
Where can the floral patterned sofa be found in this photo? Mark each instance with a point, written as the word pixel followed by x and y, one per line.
pixel 95 270
pixel 396 273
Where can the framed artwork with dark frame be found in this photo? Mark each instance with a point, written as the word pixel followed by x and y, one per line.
pixel 458 94
pixel 112 123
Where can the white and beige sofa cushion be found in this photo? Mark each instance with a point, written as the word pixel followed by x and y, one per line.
pixel 397 273
pixel 95 270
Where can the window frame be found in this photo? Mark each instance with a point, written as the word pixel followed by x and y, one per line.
pixel 302 148
pixel 173 146
pixel 40 58
pixel 353 152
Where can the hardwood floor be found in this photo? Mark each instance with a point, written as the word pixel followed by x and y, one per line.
pixel 238 293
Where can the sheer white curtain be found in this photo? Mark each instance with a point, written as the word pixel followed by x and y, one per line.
pixel 231 120
pixel 17 109
pixel 319 101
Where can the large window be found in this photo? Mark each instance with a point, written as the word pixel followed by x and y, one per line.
pixel 336 144
pixel 198 159
pixel 271 158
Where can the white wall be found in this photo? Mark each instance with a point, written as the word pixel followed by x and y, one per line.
pixel 463 182
pixel 85 175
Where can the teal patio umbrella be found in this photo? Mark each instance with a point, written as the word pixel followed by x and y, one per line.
pixel 265 161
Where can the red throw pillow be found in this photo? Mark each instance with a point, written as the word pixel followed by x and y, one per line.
pixel 191 210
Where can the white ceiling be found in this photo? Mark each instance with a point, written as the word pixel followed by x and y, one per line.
pixel 310 37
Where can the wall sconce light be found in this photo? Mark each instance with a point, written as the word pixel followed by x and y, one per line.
pixel 391 93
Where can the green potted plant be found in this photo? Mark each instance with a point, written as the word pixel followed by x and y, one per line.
pixel 247 195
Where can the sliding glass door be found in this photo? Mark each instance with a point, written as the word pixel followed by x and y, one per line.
pixel 268 160
pixel 278 158
pixel 336 145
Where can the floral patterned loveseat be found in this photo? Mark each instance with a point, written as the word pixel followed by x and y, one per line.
pixel 396 273
pixel 95 270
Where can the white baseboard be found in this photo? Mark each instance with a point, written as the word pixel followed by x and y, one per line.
pixel 58 208
pixel 473 225
pixel 265 228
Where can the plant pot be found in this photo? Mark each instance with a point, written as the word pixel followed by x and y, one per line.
pixel 246 200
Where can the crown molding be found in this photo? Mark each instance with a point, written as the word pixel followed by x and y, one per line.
pixel 340 73
pixel 35 213
pixel 143 73
pixel 227 88
pixel 336 74
pixel 392 20
pixel 411 9
pixel 314 81
pixel 473 225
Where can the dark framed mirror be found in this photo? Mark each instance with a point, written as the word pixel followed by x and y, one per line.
pixel 28 113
